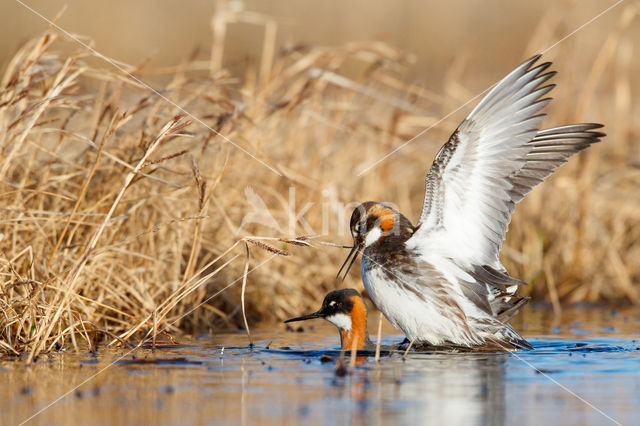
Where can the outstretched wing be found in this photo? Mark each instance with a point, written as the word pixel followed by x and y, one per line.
pixel 492 160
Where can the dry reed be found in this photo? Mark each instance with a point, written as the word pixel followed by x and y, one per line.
pixel 122 216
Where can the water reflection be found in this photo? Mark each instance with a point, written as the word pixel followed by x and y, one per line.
pixel 460 389
pixel 452 389
pixel 293 380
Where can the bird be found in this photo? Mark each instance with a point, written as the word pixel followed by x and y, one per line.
pixel 345 309
pixel 441 281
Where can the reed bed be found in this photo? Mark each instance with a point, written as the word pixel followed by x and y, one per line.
pixel 141 202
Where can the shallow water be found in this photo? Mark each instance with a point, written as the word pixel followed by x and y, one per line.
pixel 584 369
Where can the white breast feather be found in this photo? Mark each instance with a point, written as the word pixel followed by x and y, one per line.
pixel 418 318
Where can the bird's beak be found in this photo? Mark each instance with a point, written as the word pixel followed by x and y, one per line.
pixel 353 255
pixel 305 317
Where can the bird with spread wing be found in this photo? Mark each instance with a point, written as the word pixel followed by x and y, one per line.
pixel 441 281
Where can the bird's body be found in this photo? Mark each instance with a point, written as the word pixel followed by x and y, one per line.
pixel 425 298
pixel 441 282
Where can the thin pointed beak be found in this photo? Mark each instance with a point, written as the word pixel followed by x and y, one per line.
pixel 353 255
pixel 305 317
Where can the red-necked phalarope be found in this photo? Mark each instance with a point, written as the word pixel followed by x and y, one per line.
pixel 441 282
pixel 346 310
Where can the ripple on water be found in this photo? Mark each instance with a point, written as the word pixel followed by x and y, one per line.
pixel 290 377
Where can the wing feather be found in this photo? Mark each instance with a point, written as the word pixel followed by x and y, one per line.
pixel 494 158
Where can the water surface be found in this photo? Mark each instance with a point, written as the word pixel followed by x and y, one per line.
pixel 585 369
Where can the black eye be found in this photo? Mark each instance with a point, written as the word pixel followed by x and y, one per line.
pixel 361 228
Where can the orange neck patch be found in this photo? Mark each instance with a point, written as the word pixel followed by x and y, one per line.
pixel 358 334
pixel 386 223
pixel 386 216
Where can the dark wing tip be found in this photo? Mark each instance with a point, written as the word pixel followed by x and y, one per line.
pixel 595 136
pixel 533 59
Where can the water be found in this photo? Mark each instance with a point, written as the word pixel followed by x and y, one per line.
pixel 583 370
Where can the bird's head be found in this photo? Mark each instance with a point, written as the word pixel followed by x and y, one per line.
pixel 346 310
pixel 373 223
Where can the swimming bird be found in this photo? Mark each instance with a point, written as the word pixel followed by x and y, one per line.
pixel 346 310
pixel 441 281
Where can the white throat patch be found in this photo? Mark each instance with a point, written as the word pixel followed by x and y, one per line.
pixel 342 321
pixel 372 236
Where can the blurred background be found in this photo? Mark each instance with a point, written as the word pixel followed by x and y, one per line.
pixel 492 35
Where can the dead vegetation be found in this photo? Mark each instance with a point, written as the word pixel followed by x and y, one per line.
pixel 128 208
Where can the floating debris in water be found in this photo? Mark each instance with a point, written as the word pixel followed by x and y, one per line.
pixel 545 371
pixel 159 361
pixel 324 358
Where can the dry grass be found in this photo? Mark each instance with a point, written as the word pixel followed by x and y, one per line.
pixel 121 214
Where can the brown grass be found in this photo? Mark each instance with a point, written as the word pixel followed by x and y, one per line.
pixel 121 214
